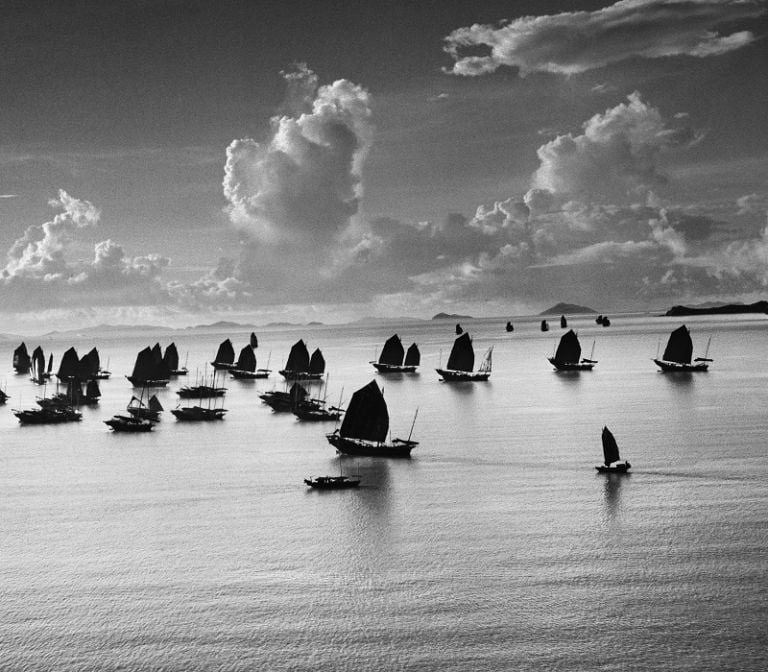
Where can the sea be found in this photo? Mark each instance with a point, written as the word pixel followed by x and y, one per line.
pixel 497 546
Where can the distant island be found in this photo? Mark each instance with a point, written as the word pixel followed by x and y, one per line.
pixel 450 316
pixel 563 308
pixel 727 309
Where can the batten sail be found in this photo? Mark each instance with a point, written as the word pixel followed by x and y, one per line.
pixel 569 349
pixel 610 447
pixel 462 356
pixel 392 353
pixel 679 346
pixel 413 356
pixel 367 416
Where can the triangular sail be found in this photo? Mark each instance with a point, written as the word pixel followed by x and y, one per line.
pixel 298 358
pixel 21 360
pixel 92 389
pixel 88 366
pixel 392 352
pixel 679 346
pixel 69 365
pixel 38 363
pixel 171 357
pixel 154 403
pixel 462 356
pixel 247 359
pixel 298 393
pixel 50 363
pixel 569 350
pixel 610 447
pixel 157 352
pixel 317 362
pixel 366 416
pixel 413 356
pixel 144 368
pixel 225 353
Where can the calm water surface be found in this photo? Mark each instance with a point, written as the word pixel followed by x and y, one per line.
pixel 495 547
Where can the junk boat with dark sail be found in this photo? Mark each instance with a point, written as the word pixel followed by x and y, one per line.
pixel 612 463
pixel 462 360
pixel 332 482
pixel 300 366
pixel 225 356
pixel 366 425
pixel 394 358
pixel 678 354
pixel 150 370
pixel 171 359
pixel 245 366
pixel 285 401
pixel 568 354
pixel 22 362
pixel 145 411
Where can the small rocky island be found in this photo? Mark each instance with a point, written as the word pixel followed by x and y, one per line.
pixel 567 308
pixel 728 309
pixel 449 316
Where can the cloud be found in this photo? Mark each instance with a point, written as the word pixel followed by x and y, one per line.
pixel 573 42
pixel 40 271
pixel 617 154
pixel 305 184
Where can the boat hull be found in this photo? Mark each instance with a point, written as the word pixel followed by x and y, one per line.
pixel 249 375
pixel 138 382
pixel 300 375
pixel 677 367
pixel 129 425
pixel 332 483
pixel 617 468
pixel 198 414
pixel 394 368
pixel 570 366
pixel 398 448
pixel 451 376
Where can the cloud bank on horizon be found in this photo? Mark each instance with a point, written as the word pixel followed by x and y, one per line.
pixel 599 220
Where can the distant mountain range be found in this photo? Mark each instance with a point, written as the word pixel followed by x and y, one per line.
pixel 567 308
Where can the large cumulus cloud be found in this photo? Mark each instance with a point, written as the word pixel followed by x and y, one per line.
pixel 574 42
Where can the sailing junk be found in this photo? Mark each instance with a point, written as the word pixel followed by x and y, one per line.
pixel 678 353
pixel 300 366
pixel 462 360
pixel 365 426
pixel 568 355
pixel 149 411
pixel 21 360
pixel 39 374
pixel 171 360
pixel 245 367
pixel 150 370
pixel 225 356
pixel 285 402
pixel 611 462
pixel 394 359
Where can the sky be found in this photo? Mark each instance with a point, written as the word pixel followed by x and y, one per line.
pixel 176 162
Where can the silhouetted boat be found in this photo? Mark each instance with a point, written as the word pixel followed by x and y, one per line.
pixel 462 360
pixel 611 462
pixel 678 353
pixel 4 397
pixel 149 411
pixel 606 322
pixel 563 322
pixel 459 330
pixel 203 391
pixel 225 356
pixel 149 370
pixel 129 423
pixel 365 426
pixel 300 366
pixel 599 319
pixel 568 354
pixel 245 366
pixel 39 374
pixel 394 359
pixel 509 327
pixel 199 413
pixel 317 410
pixel 21 359
pixel 332 482
pixel 254 341
pixel 285 401
pixel 544 325
pixel 68 366
pixel 171 360
pixel 48 415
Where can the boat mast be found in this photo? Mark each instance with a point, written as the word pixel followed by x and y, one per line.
pixel 592 353
pixel 413 423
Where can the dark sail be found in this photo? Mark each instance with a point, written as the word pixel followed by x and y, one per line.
pixel 21 360
pixel 317 363
pixel 144 368
pixel 92 390
pixel 610 447
pixel 366 416
pixel 544 325
pixel 298 359
pixel 563 322
pixel 392 352
pixel 157 353
pixel 69 365
pixel 247 359
pixel 50 363
pixel 679 347
pixel 171 357
pixel 226 353
pixel 462 355
pixel 88 366
pixel 95 359
pixel 297 393
pixel 413 356
pixel 154 403
pixel 254 341
pixel 569 349
pixel 38 364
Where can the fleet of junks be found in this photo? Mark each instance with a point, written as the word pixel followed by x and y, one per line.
pixel 365 425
